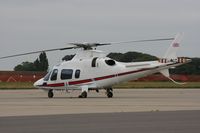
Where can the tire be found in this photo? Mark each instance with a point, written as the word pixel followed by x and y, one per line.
pixel 84 94
pixel 109 94
pixel 50 94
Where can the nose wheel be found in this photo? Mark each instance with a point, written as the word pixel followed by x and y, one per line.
pixel 50 94
pixel 109 92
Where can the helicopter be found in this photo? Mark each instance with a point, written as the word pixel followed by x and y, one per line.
pixel 90 69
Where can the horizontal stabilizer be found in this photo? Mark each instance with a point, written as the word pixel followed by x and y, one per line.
pixel 165 72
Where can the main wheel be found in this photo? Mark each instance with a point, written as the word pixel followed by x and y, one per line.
pixel 109 94
pixel 83 95
pixel 50 94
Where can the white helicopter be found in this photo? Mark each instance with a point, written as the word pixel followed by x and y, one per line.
pixel 90 69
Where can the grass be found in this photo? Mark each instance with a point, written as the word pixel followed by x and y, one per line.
pixel 16 85
pixel 157 85
pixel 29 85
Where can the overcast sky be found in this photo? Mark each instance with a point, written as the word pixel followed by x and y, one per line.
pixel 29 25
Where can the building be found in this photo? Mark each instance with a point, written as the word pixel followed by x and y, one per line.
pixel 19 76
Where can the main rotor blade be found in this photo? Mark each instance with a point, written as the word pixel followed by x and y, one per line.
pixel 85 46
pixel 149 40
pixel 34 52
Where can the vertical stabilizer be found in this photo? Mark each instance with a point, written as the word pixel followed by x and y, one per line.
pixel 172 50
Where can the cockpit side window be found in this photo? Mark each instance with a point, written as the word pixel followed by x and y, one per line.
pixel 46 78
pixel 66 74
pixel 54 74
pixel 77 73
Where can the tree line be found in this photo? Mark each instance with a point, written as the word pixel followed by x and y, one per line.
pixel 40 64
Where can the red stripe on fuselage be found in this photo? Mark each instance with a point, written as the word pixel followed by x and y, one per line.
pixel 55 85
pixel 104 77
pixel 79 82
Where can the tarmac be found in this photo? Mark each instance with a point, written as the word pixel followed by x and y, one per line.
pixel 134 122
pixel 130 110
pixel 35 102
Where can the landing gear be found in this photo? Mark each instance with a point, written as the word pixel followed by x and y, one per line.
pixel 50 94
pixel 109 92
pixel 83 95
pixel 84 90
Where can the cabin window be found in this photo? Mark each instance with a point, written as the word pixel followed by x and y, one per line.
pixel 77 73
pixel 54 74
pixel 66 74
pixel 94 62
pixel 110 62
pixel 46 78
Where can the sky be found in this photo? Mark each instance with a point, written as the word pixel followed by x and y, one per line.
pixel 32 25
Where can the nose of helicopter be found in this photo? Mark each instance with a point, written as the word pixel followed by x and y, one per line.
pixel 38 83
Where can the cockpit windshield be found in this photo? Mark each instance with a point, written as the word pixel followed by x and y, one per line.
pixel 46 78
